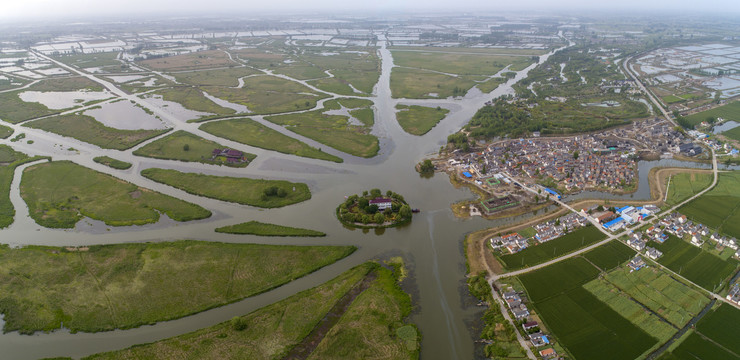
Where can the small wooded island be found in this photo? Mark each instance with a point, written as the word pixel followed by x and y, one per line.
pixel 373 210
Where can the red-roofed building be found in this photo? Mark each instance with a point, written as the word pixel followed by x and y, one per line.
pixel 548 353
pixel 382 203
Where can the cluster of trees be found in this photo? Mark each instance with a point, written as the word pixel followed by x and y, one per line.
pixel 684 122
pixel 459 140
pixel 274 191
pixel 426 167
pixel 357 209
pixel 501 119
pixel 458 91
pixel 492 319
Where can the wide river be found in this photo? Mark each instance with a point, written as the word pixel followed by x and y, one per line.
pixel 431 244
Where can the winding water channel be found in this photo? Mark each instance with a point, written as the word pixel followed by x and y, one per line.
pixel 431 244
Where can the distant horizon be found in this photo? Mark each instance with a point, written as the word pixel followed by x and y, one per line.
pixel 71 10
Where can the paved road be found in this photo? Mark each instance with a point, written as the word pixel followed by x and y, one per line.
pixel 715 171
pixel 625 65
pixel 505 311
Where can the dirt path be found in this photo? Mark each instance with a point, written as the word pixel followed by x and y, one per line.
pixel 310 342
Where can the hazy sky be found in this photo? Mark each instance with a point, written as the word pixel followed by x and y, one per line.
pixel 16 9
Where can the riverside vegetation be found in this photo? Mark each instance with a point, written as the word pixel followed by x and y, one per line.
pixel 373 322
pixel 263 229
pixel 106 287
pixel 60 193
pixel 254 192
pixel 184 146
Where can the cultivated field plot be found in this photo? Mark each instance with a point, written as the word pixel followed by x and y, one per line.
pixel 722 325
pixel 102 288
pixel 86 128
pixel 334 130
pixel 418 120
pixel 685 185
pixel 720 207
pixel 254 192
pixel 557 278
pixel 191 61
pixel 628 308
pixel 609 255
pixel 60 193
pixel 701 267
pixel 586 326
pixel 659 292
pixel 184 146
pixel 733 134
pixel 697 347
pixel 728 112
pixel 540 253
pixel 250 132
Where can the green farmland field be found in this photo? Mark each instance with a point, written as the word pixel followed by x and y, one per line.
pixel 729 111
pixel 589 329
pixel 695 264
pixel 630 309
pixel 722 325
pixel 697 347
pixel 609 255
pixel 659 292
pixel 685 185
pixel 549 250
pixel 733 133
pixel 557 278
pixel 720 207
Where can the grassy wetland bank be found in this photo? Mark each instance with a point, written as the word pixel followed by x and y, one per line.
pixel 100 288
pixel 61 193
